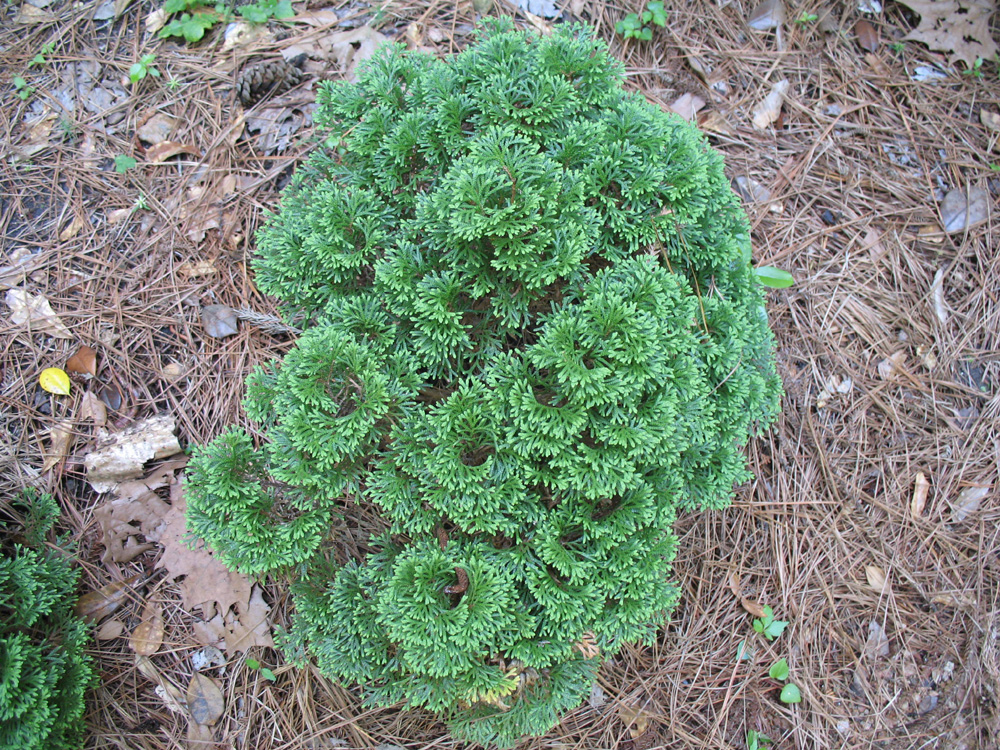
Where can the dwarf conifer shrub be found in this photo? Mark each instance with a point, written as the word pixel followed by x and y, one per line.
pixel 43 669
pixel 534 336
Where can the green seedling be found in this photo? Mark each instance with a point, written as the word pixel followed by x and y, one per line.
pixel 779 670
pixel 195 19
pixel 775 278
pixel 757 740
pixel 42 57
pixel 633 26
pixel 743 652
pixel 143 68
pixel 22 89
pixel 976 71
pixel 807 18
pixel 124 163
pixel 266 673
pixel 790 693
pixel 767 626
pixel 897 47
pixel 173 84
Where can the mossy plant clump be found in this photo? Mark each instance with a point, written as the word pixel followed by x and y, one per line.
pixel 534 335
pixel 44 672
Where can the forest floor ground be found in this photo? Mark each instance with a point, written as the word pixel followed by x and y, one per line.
pixel 873 526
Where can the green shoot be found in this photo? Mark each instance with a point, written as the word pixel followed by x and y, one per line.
pixel 767 626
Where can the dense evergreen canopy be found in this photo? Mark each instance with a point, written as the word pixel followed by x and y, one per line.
pixel 534 336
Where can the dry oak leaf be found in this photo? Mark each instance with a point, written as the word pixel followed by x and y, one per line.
pixel 239 629
pixel 94 606
pixel 61 439
pixel 137 510
pixel 959 27
pixel 204 582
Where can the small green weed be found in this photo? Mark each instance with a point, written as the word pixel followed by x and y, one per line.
pixel 757 740
pixel 195 19
pixel 144 67
pixel 897 47
pixel 263 10
pixel 173 84
pixel 634 26
pixel 43 55
pixel 976 71
pixel 806 19
pixel 22 89
pixel 266 673
pixel 124 163
pixel 767 626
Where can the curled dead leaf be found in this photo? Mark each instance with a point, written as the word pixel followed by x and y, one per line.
pixel 219 321
pixel 920 489
pixel 83 362
pixel 733 580
pixel 205 700
pixel 954 599
pixel 35 312
pixel 635 717
pixel 770 14
pixel 963 208
pixel 768 110
pixel 94 606
pixel 891 366
pixel 61 438
pixel 968 502
pixel 72 229
pixel 91 407
pixel 991 120
pixel 148 635
pixel 752 607
pixel 162 151
pixel 876 577
pixel 867 35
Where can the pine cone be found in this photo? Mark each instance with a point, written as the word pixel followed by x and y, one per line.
pixel 266 78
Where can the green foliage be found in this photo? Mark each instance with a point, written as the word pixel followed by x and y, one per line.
pixel 806 19
pixel 144 67
pixel 43 670
pixel 22 89
pixel 124 163
pixel 263 10
pixel 266 673
pixel 195 19
pixel 779 670
pixel 775 278
pixel 768 626
pixel 634 24
pixel 757 740
pixel 43 54
pixel 790 693
pixel 533 335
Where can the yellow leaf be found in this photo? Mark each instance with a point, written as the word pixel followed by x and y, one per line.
pixel 55 381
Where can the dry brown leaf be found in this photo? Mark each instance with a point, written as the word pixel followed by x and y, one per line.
pixel 635 717
pixel 963 208
pixel 205 701
pixel 199 736
pixel 968 502
pixel 148 635
pixel 733 580
pixel 156 129
pixel 29 15
pixel 94 606
pixel 162 151
pixel 204 582
pixel 194 269
pixel 119 214
pixel 867 35
pixel 110 630
pixel 61 437
pixel 35 312
pixel 878 642
pixel 770 14
pixel 876 577
pixel 687 106
pixel 21 261
pixel 990 120
pixel 110 396
pixel 768 110
pixel 136 511
pixel 83 362
pixel 37 136
pixel 959 27
pixel 91 407
pixel 121 456
pixel 920 489
pixel 752 607
pixel 714 122
pixel 72 229
pixel 954 599
pixel 891 366
pixel 219 321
